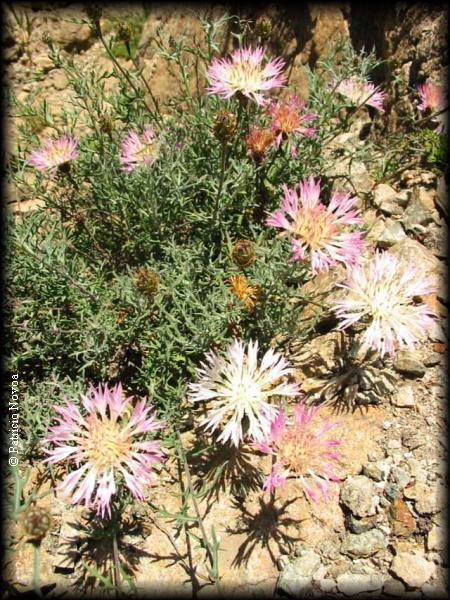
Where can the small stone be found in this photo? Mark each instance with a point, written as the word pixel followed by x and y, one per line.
pixel 361 525
pixel 428 499
pixel 432 591
pixel 364 544
pixel 327 585
pixel 416 214
pixel 373 471
pixel 307 563
pixel 394 444
pixel 391 490
pixel 282 562
pixel 393 587
pixel 402 521
pixel 436 538
pixel 358 495
pixel 352 583
pixel 293 584
pixel 392 233
pixel 408 364
pixel 412 569
pixel 385 198
pixel 400 476
pixel 404 397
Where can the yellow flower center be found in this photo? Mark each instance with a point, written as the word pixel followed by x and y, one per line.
pixel 245 77
pixel 314 227
pixel 108 444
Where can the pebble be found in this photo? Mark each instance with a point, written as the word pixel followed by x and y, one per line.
pixel 408 364
pixel 412 569
pixel 385 198
pixel 393 587
pixel 392 233
pixel 436 538
pixel 327 585
pixel 374 471
pixel 431 591
pixel 361 525
pixel 400 476
pixel 416 214
pixel 351 583
pixel 357 494
pixel 428 499
pixel 363 544
pixel 404 398
pixel 402 521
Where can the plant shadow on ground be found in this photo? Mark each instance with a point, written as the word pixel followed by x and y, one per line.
pixel 224 468
pixel 262 527
pixel 355 384
pixel 89 552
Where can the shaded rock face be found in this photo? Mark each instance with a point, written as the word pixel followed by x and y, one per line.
pixel 411 38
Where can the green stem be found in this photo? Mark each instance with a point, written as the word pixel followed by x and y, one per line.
pixel 196 508
pixel 37 568
pixel 117 579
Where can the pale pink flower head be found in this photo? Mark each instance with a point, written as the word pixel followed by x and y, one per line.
pixel 433 97
pixel 289 117
pixel 381 293
pixel 304 449
pixel 359 92
pixel 246 72
pixel 54 154
pixel 107 446
pixel 137 150
pixel 239 388
pixel 319 233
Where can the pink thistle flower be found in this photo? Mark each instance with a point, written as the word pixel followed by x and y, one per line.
pixel 54 153
pixel 316 229
pixel 289 117
pixel 240 389
pixel 381 293
pixel 138 150
pixel 243 72
pixel 303 449
pixel 431 96
pixel 361 92
pixel 105 445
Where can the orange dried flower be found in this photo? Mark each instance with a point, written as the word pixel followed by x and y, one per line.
pixel 244 292
pixel 258 141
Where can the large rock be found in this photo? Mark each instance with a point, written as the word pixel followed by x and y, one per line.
pixel 364 544
pixel 412 569
pixel 358 495
pixel 296 578
pixel 355 583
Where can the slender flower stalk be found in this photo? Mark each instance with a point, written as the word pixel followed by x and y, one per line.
pixel 106 445
pixel 240 389
pixel 360 92
pixel 54 153
pixel 381 294
pixel 318 232
pixel 138 150
pixel 303 449
pixel 243 72
pixel 290 118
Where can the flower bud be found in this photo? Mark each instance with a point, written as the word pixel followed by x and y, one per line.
pixel 263 27
pixel 124 32
pixel 258 141
pixel 106 123
pixel 36 522
pixel 146 281
pixel 224 126
pixel 243 253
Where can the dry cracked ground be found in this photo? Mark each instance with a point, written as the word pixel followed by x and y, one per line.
pixel 383 531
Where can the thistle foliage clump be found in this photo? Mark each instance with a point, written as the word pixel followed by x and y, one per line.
pixel 75 311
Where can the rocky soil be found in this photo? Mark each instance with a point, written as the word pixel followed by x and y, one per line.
pixel 383 533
